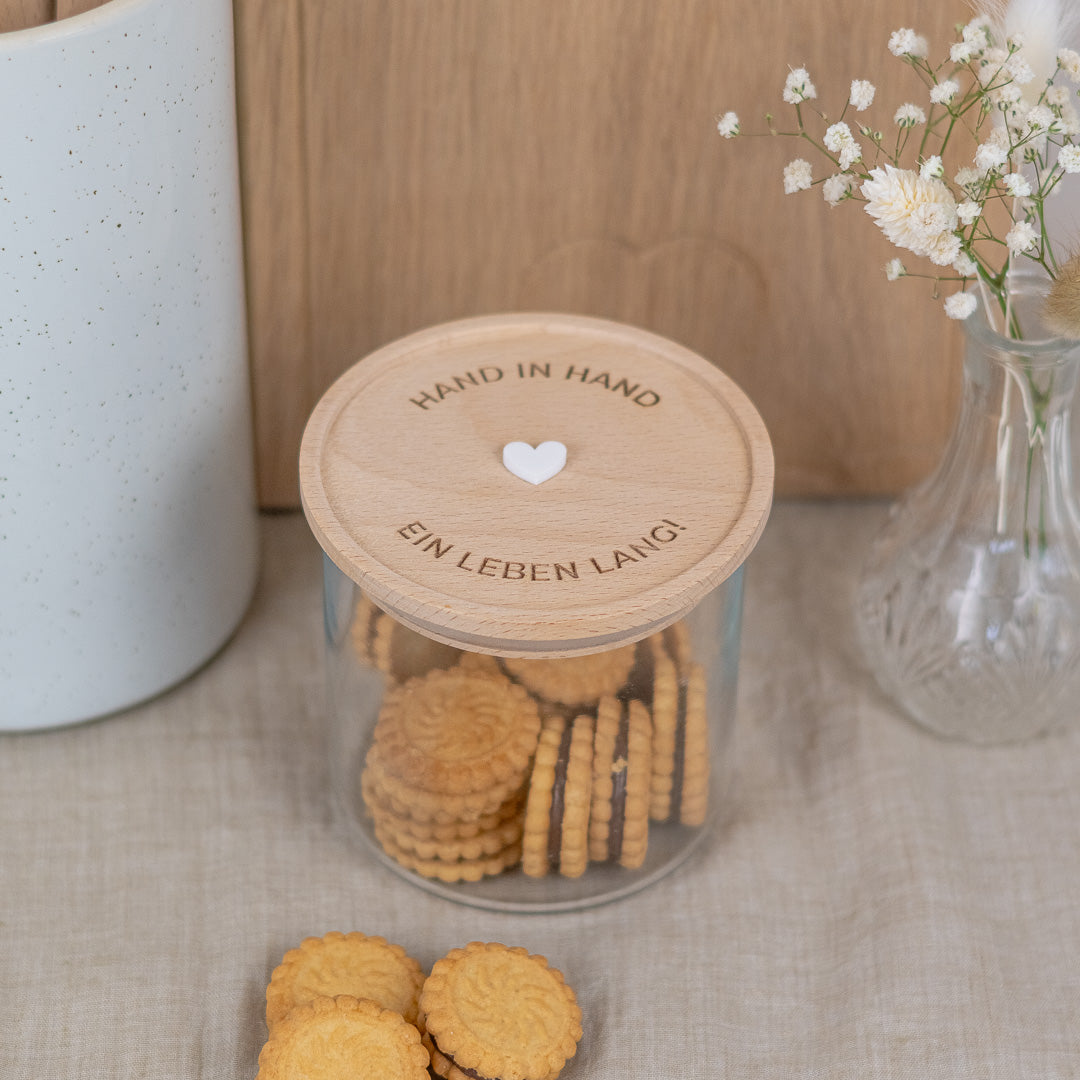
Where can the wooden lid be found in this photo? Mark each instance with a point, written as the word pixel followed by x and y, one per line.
pixel 666 487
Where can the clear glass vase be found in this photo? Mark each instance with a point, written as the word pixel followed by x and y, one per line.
pixel 968 608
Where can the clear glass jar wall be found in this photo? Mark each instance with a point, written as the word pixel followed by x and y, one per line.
pixel 530 784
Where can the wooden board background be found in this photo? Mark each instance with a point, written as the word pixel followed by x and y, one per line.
pixel 410 161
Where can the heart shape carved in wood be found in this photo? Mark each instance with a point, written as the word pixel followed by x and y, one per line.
pixel 534 464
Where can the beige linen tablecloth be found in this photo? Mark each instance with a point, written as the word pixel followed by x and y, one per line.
pixel 885 904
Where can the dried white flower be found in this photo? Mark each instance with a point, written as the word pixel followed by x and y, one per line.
pixel 965 265
pixel 916 214
pixel 962 52
pixel 1017 185
pixel 944 92
pixel 991 64
pixel 849 154
pixel 836 188
pixel 862 94
pixel 989 155
pixel 1070 121
pixel 894 269
pixel 839 140
pixel 1021 237
pixel 1009 94
pixel 961 305
pixel 1019 70
pixel 836 135
pixel 946 250
pixel 909 115
pixel 967 177
pixel 968 211
pixel 905 42
pixel 797 176
pixel 728 125
pixel 1040 118
pixel 798 86
pixel 977 33
pixel 1069 62
pixel 932 168
pixel 1069 158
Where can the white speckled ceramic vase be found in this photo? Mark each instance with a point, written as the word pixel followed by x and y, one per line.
pixel 128 540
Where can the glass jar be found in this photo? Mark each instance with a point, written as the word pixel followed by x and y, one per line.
pixel 534 530
pixel 968 607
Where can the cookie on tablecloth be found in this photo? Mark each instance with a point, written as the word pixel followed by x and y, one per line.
pixel 353 964
pixel 576 682
pixel 493 1011
pixel 343 1038
pixel 556 831
pixel 619 820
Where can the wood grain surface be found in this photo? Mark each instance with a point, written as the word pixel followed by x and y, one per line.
pixel 65 8
pixel 22 14
pixel 408 162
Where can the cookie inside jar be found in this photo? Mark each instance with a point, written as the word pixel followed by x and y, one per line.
pixel 534 528
pixel 533 783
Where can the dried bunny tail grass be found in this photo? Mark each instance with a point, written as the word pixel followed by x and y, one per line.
pixel 1062 308
pixel 1044 25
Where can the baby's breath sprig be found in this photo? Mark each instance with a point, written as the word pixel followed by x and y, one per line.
pixel 1026 131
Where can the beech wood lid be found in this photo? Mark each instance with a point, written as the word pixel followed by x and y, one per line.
pixel 666 487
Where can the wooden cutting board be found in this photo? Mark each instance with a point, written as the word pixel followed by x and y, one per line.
pixel 412 161
pixel 407 162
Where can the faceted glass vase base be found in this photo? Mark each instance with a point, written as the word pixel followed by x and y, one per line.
pixel 968 609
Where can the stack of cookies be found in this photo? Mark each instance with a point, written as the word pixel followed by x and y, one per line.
pixel 344 1005
pixel 446 773
pixel 478 764
pixel 353 1007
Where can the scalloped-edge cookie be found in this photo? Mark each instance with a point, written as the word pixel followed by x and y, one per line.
pixel 343 1038
pixel 495 1011
pixel 577 682
pixel 432 808
pixel 457 732
pixel 451 869
pixel 556 832
pixel 690 782
pixel 353 964
pixel 667 698
pixel 622 770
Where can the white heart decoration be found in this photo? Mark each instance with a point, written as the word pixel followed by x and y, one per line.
pixel 534 464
